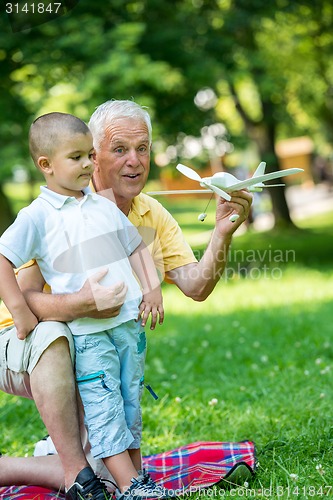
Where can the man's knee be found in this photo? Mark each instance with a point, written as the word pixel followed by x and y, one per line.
pixel 51 340
pixel 59 346
pixel 59 349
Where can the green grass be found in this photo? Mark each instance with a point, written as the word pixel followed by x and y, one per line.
pixel 260 347
pixel 266 355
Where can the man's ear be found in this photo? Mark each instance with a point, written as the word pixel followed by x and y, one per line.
pixel 95 160
pixel 44 164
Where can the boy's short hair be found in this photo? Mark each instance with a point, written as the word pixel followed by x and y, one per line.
pixel 47 130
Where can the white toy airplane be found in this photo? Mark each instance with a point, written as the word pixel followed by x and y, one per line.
pixel 223 183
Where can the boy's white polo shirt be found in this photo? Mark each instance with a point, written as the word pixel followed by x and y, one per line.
pixel 71 240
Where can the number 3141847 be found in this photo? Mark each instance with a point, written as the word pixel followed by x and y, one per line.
pixel 33 8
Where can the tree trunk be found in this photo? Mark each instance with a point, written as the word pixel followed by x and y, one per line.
pixel 264 136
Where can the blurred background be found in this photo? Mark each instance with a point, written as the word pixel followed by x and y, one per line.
pixel 228 83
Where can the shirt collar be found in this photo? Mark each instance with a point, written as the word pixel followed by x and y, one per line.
pixel 58 200
pixel 140 206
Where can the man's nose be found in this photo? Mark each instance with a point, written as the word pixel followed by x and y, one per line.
pixel 132 158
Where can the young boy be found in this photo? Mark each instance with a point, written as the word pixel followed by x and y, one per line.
pixel 72 233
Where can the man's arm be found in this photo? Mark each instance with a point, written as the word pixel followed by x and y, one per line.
pixel 67 307
pixel 152 302
pixel 198 280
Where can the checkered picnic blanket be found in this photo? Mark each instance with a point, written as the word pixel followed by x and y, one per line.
pixel 185 469
pixel 28 493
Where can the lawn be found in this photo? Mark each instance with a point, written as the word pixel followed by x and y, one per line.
pixel 254 361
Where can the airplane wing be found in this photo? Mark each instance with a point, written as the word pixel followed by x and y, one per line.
pixel 220 192
pixel 180 191
pixel 261 178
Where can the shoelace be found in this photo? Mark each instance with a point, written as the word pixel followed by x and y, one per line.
pixel 143 485
pixel 113 495
pixel 147 487
pixel 97 488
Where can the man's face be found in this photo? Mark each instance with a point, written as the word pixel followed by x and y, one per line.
pixel 122 160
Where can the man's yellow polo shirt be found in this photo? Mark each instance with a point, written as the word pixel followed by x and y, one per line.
pixel 160 232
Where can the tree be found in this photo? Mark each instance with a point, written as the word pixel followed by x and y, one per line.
pixel 248 55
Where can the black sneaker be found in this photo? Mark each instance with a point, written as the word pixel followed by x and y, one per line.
pixel 87 486
pixel 143 488
pixel 146 480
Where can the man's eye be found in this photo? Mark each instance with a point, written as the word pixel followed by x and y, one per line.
pixel 119 150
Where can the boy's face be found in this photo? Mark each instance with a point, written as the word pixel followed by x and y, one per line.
pixel 71 165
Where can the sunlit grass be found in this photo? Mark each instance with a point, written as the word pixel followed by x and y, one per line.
pixel 263 352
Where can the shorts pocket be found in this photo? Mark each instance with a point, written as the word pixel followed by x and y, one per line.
pixel 15 352
pixel 94 377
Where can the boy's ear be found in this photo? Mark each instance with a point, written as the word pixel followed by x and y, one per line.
pixel 44 164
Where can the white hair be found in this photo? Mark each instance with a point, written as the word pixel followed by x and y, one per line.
pixel 112 110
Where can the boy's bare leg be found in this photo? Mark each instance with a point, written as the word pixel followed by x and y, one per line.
pixel 44 471
pixel 54 391
pixel 136 458
pixel 122 469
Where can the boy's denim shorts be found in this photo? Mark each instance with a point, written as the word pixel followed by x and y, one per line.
pixel 110 375
pixel 19 357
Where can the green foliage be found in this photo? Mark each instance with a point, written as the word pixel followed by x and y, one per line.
pixel 266 66
pixel 117 49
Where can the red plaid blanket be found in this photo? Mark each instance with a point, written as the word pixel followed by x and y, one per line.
pixel 184 469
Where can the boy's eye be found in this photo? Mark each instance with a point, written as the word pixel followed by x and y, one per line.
pixel 76 157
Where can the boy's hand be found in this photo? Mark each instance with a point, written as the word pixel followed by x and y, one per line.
pixel 152 303
pixel 25 322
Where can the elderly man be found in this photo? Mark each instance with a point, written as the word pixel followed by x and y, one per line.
pixel 122 139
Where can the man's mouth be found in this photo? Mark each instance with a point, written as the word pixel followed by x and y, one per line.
pixel 132 176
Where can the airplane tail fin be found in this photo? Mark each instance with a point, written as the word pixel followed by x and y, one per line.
pixel 260 169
